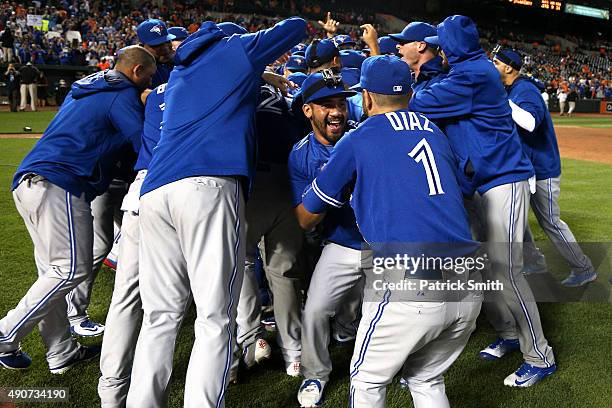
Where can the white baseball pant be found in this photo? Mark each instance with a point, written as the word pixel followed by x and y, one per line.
pixel 337 280
pixel 107 214
pixel 512 312
pixel 192 241
pixel 124 316
pixel 60 226
pixel 545 205
pixel 424 338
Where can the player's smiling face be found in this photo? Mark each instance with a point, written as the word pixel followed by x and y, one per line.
pixel 328 118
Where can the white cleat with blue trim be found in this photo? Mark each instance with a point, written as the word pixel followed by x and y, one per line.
pixel 310 393
pixel 528 375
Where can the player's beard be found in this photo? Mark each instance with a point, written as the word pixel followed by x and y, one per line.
pixel 322 128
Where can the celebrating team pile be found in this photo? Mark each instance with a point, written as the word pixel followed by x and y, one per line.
pixel 208 159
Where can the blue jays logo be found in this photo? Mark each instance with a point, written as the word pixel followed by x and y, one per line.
pixel 157 29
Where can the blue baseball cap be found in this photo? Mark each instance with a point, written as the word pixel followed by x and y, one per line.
pixel 230 29
pixel 299 49
pixel 351 58
pixel 179 33
pixel 387 45
pixel 415 31
pixel 153 32
pixel 296 63
pixel 386 75
pixel 343 39
pixel 297 77
pixel 324 84
pixel 509 57
pixel 320 52
pixel 433 40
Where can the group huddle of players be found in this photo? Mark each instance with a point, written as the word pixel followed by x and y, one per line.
pixel 419 144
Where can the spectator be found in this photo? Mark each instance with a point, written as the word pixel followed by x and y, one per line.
pixel 42 85
pixel 546 97
pixel 12 85
pixel 29 75
pixel 61 90
pixel 562 98
pixel 8 42
pixel 572 97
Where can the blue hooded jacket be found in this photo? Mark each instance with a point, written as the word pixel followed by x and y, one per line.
pixel 153 114
pixel 478 119
pixel 430 73
pixel 540 146
pixel 79 149
pixel 210 101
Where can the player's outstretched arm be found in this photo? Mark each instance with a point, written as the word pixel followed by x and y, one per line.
pixel 306 219
pixel 451 97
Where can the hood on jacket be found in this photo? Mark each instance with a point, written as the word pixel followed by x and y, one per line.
pixel 459 39
pixel 539 84
pixel 197 42
pixel 103 81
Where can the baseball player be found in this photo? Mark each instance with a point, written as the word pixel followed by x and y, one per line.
pixel 70 165
pixel 154 37
pixel 480 129
pixel 338 278
pixel 539 142
pixel 180 34
pixel 125 311
pixel 392 155
pixel 192 208
pixel 271 226
pixel 344 42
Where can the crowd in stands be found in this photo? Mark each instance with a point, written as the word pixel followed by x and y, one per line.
pixel 89 32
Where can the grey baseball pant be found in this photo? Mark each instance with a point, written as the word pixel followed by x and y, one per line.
pixel 60 226
pixel 271 222
pixel 423 338
pixel 106 212
pixel 337 279
pixel 512 312
pixel 123 320
pixel 545 205
pixel 192 242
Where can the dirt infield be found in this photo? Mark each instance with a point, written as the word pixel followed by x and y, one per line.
pixel 575 142
pixel 582 143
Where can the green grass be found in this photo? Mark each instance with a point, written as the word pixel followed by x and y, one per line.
pixel 14 122
pixel 599 122
pixel 579 332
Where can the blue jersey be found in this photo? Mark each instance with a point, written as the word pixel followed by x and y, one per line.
pixel 405 188
pixel 211 98
pixel 154 109
pixel 81 146
pixel 540 146
pixel 306 161
pixel 473 104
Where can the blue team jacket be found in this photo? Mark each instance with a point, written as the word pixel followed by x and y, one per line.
pixel 306 161
pixel 478 119
pixel 210 101
pixel 79 149
pixel 154 109
pixel 162 74
pixel 405 191
pixel 430 73
pixel 540 146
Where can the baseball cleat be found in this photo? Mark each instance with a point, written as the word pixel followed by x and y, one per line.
pixel 256 353
pixel 499 348
pixel 528 375
pixel 310 393
pixel 534 269
pixel 575 280
pixel 15 360
pixel 293 368
pixel 84 353
pixel 403 383
pixel 269 323
pixel 340 340
pixel 87 328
